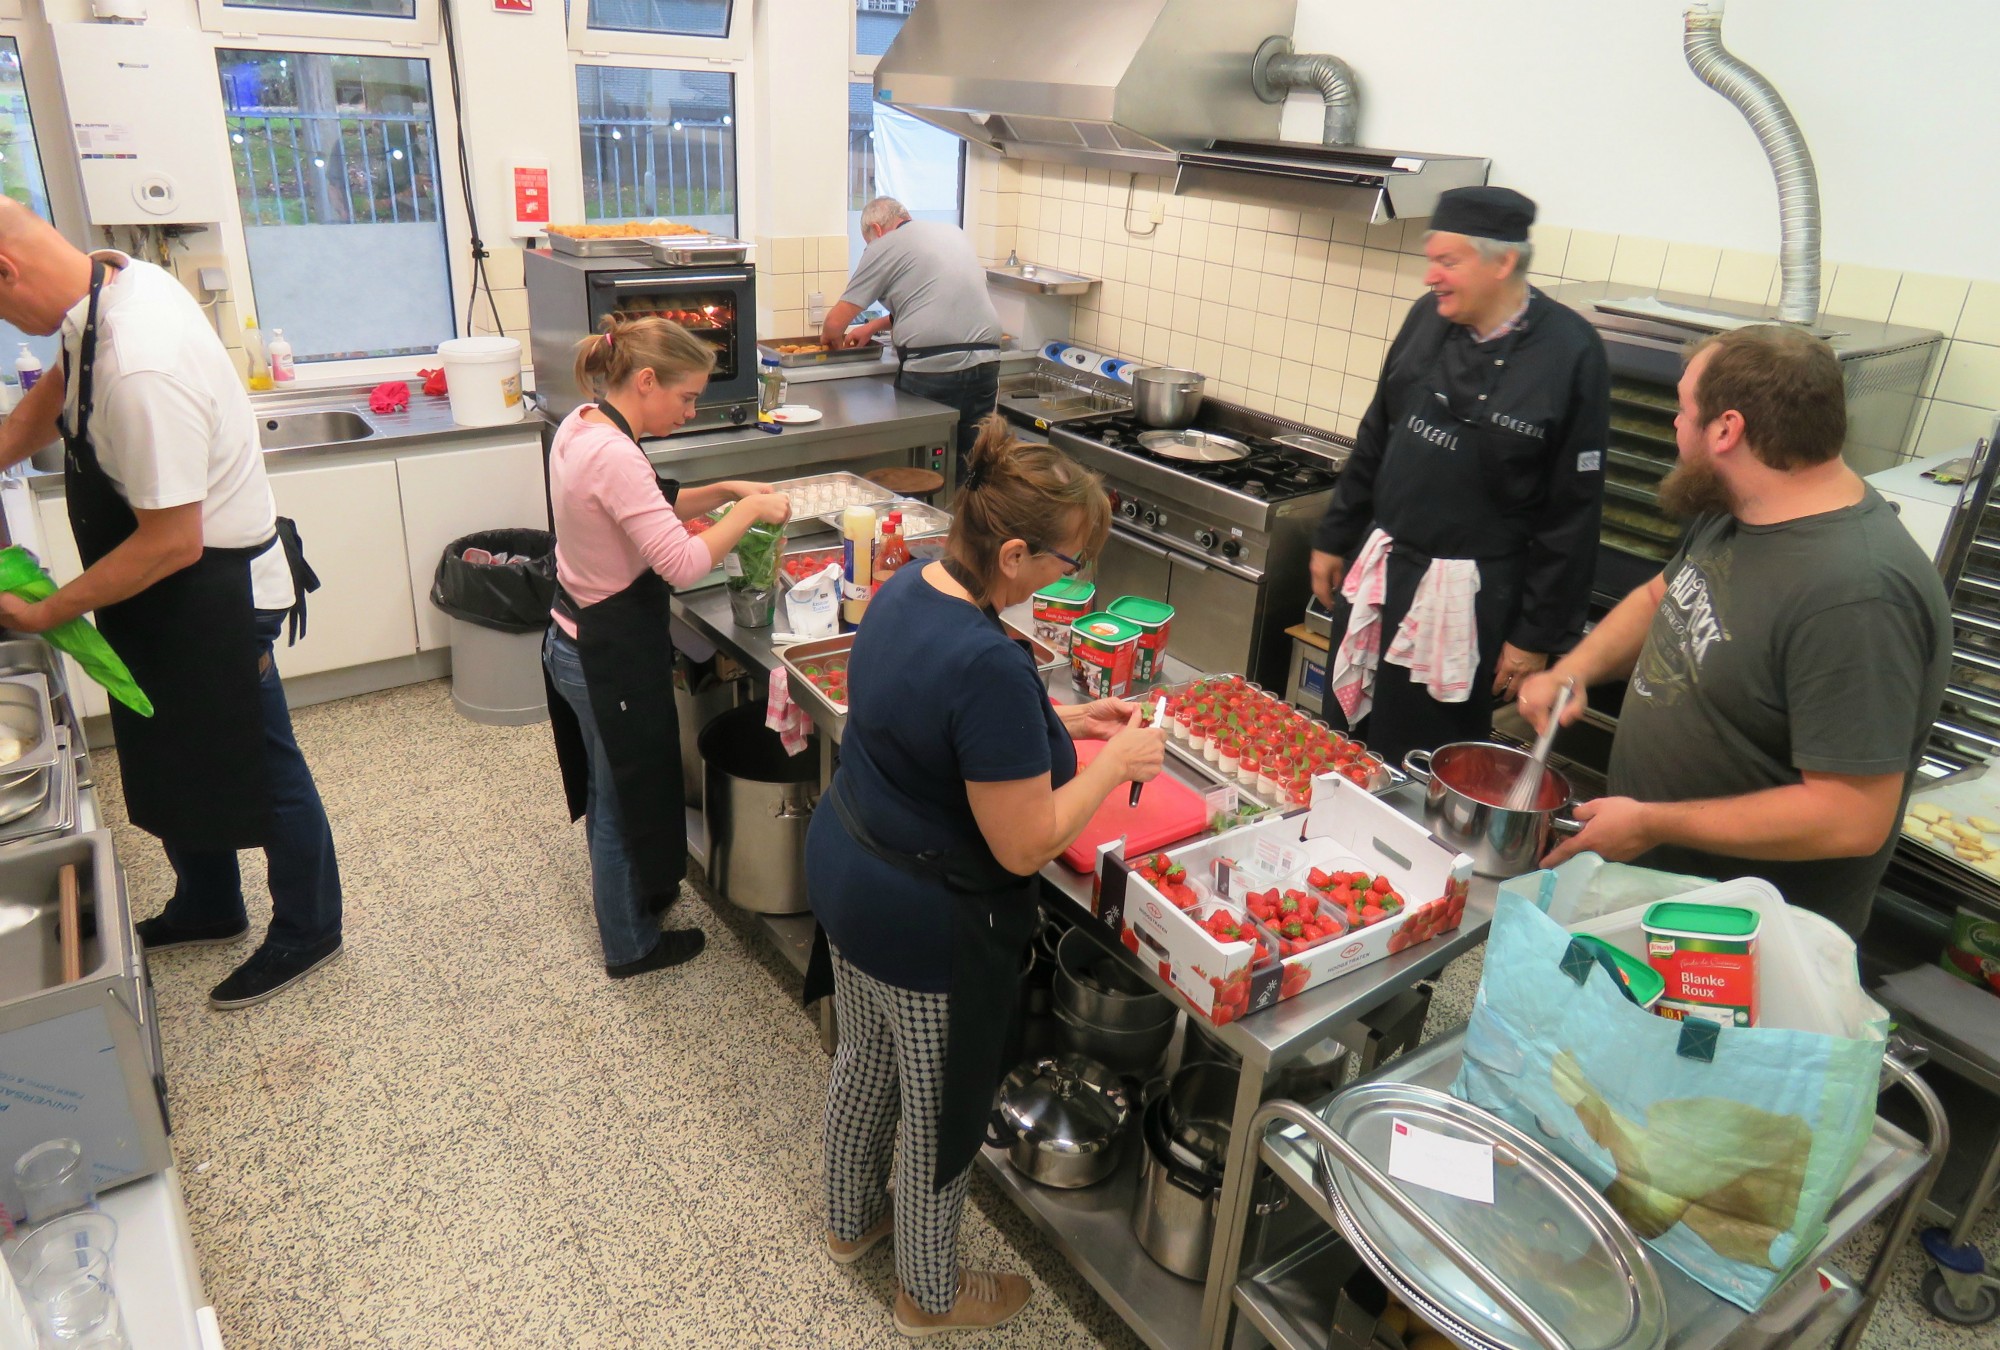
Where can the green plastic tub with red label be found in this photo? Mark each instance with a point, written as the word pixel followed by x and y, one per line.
pixel 1102 649
pixel 1707 954
pixel 1154 619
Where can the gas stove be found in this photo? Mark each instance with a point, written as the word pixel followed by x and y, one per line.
pixel 1243 462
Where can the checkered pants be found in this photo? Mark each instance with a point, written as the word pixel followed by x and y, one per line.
pixel 888 1079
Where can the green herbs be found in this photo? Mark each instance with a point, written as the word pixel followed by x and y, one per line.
pixel 754 563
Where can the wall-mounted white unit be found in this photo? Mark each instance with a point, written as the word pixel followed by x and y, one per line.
pixel 145 113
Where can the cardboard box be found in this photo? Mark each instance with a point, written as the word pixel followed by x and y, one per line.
pixel 1346 829
pixel 1973 952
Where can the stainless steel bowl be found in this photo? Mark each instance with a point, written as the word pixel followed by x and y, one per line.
pixel 1097 986
pixel 1062 1120
pixel 1164 396
pixel 1138 1052
pixel 1465 789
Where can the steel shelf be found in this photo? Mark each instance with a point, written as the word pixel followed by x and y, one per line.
pixel 1289 1300
pixel 1092 1227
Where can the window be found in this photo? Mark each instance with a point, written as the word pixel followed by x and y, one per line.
pixel 405 22
pixel 376 9
pixel 336 168
pixel 20 178
pixel 685 18
pixel 891 154
pixel 876 23
pixel 658 143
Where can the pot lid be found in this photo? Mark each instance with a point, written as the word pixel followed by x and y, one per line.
pixel 1202 447
pixel 1065 1104
pixel 1548 1236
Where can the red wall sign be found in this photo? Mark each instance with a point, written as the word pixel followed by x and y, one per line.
pixel 531 185
pixel 514 6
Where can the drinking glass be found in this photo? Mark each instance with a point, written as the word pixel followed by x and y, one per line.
pixel 70 1292
pixel 52 1179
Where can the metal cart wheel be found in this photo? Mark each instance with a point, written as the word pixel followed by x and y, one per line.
pixel 1942 1299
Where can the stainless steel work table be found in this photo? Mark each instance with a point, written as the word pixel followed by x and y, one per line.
pixel 1092 1226
pixel 864 424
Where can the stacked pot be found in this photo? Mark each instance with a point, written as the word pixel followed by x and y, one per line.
pixel 1106 1012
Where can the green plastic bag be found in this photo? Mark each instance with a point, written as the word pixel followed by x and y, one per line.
pixel 21 575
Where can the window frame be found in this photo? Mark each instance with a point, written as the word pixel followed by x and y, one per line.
pixel 680 51
pixel 238 23
pixel 860 65
pixel 743 119
pixel 451 206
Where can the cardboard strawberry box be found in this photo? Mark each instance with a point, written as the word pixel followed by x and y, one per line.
pixel 1183 919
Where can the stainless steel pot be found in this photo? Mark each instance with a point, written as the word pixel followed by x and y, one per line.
pixel 1465 790
pixel 1062 1120
pixel 1312 1076
pixel 1173 1211
pixel 1097 986
pixel 1138 1052
pixel 759 803
pixel 1164 396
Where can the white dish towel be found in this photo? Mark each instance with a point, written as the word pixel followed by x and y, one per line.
pixel 1437 642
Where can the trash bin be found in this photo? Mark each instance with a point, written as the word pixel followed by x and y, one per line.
pixel 758 801
pixel 499 611
pixel 699 695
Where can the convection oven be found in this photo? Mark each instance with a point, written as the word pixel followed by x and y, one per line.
pixel 569 297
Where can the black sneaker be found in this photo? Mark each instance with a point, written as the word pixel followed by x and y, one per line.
pixel 267 972
pixel 157 935
pixel 675 946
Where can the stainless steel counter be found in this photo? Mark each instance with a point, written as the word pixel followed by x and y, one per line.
pixel 864 423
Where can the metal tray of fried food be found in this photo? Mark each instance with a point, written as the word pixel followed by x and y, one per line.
pixel 808 495
pixel 810 351
pixel 638 244
pixel 919 520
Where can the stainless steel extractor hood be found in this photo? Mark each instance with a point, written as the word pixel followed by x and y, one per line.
pixel 1160 87
pixel 1115 84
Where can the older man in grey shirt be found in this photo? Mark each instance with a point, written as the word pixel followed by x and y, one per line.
pixel 946 334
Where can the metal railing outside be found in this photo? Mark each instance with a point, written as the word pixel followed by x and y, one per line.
pixel 637 168
pixel 860 164
pixel 334 168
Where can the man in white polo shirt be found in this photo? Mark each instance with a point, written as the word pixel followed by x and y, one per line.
pixel 191 576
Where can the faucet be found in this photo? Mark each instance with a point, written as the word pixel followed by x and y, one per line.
pixel 1013 258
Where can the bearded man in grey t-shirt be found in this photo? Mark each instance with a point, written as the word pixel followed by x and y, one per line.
pixel 1788 663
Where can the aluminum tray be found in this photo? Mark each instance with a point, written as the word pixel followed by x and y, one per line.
pixel 32 656
pixel 859 491
pixel 919 521
pixel 767 348
pixel 56 815
pixel 1387 781
pixel 26 715
pixel 698 250
pixel 801 654
pixel 638 246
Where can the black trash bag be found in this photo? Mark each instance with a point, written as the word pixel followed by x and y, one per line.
pixel 508 597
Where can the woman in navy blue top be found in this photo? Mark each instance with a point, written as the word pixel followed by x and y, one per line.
pixel 958 781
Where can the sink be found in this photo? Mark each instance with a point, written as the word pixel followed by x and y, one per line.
pixel 288 431
pixel 1039 280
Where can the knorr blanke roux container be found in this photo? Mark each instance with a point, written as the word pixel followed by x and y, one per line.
pixel 1707 954
pixel 1058 606
pixel 1102 648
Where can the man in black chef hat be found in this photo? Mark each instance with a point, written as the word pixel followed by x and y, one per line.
pixel 1458 552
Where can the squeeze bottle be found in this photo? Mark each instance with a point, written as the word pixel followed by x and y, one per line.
pixel 29 367
pixel 857 528
pixel 280 353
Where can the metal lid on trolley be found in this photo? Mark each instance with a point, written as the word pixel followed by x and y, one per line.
pixel 1547 1236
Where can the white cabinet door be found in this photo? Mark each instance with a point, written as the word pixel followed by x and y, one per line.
pixel 58 554
pixel 453 493
pixel 350 519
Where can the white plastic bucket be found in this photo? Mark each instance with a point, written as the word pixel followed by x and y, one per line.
pixel 483 375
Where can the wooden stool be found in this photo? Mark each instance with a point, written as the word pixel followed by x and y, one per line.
pixel 920 484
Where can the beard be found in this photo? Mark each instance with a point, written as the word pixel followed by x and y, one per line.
pixel 1693 488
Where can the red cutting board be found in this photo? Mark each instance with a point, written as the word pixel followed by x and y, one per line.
pixel 1168 811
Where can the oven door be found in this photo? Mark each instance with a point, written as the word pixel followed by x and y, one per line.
pixel 1215 612
pixel 716 304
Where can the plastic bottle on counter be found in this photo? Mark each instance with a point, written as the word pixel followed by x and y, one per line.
pixel 770 385
pixel 280 352
pixel 28 367
pixel 258 370
pixel 857 528
pixel 893 552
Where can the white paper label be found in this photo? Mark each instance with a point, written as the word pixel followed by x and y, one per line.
pixel 1459 1167
pixel 732 565
pixel 1221 802
pixel 1279 859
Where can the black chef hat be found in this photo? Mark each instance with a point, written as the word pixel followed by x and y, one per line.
pixel 1485 213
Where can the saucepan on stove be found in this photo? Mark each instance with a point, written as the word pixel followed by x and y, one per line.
pixel 1163 396
pixel 1465 800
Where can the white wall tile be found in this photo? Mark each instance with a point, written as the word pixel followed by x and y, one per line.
pixel 1160 309
pixel 1249 254
pixel 790 254
pixel 1300 336
pixel 1273 294
pixel 1638 261
pixel 1288 407
pixel 1190 276
pixel 1349 228
pixel 1180 351
pixel 1745 277
pixel 1971 375
pixel 1090 257
pixel 1168 237
pixel 1386 234
pixel 1280 251
pixel 1336 306
pixel 1343 265
pixel 1069 253
pixel 1294 380
pixel 1194 238
pixel 1224 213
pixel 1236 365
pixel 1284 220
pixel 1589 256
pixel 1863 293
pixel 1207 354
pixel 1264 373
pixel 1196 208
pixel 1330 351
pixel 1254 217
pixel 1324 391
pixel 1925 301
pixel 1378 271
pixel 1689 268
pixel 1315 225
pixel 1364 356
pixel 1410 271
pixel 1220 248
pixel 1550 242
pixel 1239 328
pixel 1084 328
pixel 1163 269
pixel 1980 320
pixel 1309 261
pixel 1216 283
pixel 1371 314
pixel 1356 392
pixel 1267 336
pixel 1158 341
pixel 1187 313
pixel 1951 426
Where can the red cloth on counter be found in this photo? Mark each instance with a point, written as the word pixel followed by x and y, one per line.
pixel 391 396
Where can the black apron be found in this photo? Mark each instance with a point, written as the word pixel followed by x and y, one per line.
pixel 627 654
pixel 194 772
pixel 905 354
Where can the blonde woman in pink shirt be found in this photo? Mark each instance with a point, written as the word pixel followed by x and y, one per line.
pixel 622 544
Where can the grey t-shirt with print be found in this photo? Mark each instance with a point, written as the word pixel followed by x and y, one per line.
pixel 927 274
pixel 1820 644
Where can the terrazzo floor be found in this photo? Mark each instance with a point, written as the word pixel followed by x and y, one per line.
pixel 461 1134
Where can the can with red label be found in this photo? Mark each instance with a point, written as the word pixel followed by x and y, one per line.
pixel 1102 648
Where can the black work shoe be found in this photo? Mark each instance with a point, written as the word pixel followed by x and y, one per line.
pixel 268 971
pixel 157 935
pixel 675 946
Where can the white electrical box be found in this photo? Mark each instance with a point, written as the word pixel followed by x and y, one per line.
pixel 145 113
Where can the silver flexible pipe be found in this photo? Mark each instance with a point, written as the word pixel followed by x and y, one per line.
pixel 1334 80
pixel 1784 145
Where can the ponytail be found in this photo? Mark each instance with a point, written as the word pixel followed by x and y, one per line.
pixel 608 359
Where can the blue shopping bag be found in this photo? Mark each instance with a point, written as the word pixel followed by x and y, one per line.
pixel 1723 1147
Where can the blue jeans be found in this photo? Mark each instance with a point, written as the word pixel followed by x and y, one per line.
pixel 973 391
pixel 304 875
pixel 625 925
